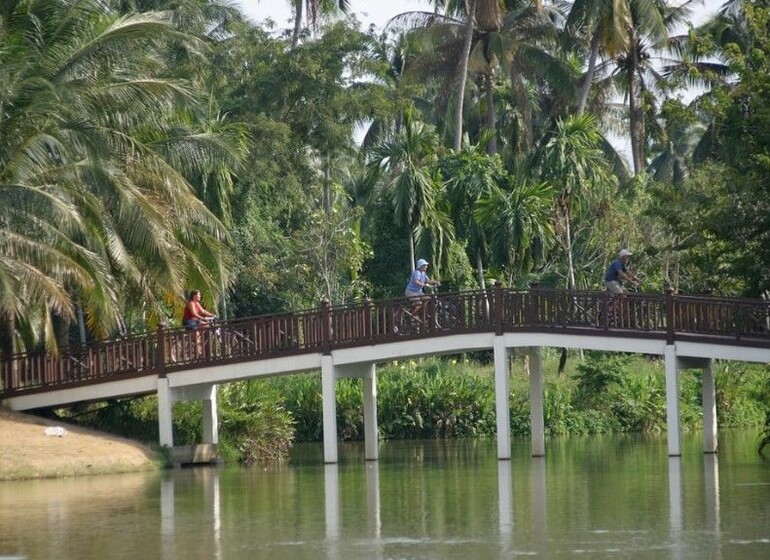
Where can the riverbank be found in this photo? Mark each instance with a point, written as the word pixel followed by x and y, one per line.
pixel 28 450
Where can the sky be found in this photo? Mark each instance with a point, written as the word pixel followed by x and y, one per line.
pixel 379 12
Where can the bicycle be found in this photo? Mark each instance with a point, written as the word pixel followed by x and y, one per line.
pixel 445 315
pixel 405 322
pixel 629 311
pixel 426 313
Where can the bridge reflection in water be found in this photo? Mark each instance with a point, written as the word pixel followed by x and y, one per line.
pixel 370 539
pixel 349 341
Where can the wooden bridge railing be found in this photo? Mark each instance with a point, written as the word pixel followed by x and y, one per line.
pixel 740 322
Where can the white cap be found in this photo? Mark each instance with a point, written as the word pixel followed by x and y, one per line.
pixel 421 263
pixel 625 253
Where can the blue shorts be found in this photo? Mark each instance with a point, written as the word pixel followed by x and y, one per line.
pixel 190 324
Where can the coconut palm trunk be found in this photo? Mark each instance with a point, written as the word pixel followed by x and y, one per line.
pixel 636 115
pixel 470 7
pixel 585 87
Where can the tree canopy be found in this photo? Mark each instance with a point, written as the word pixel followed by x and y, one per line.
pixel 149 148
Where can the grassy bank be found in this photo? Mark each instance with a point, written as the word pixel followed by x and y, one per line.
pixel 450 398
pixel 28 451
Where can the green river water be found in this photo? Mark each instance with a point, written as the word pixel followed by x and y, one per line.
pixel 589 498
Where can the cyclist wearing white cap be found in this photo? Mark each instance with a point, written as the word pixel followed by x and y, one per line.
pixel 418 281
pixel 618 272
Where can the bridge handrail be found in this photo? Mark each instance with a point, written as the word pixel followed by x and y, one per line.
pixel 737 321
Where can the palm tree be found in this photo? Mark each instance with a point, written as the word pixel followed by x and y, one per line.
pixel 571 159
pixel 94 159
pixel 471 176
pixel 470 25
pixel 634 71
pixel 607 23
pixel 405 168
pixel 313 11
pixel 506 41
pixel 680 132
pixel 518 224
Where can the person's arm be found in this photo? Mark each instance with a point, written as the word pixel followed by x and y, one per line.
pixel 201 313
pixel 429 282
pixel 628 276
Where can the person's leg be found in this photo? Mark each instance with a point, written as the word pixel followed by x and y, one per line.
pixel 415 301
pixel 615 290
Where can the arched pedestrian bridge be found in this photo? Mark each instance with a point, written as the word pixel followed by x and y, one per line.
pixel 349 341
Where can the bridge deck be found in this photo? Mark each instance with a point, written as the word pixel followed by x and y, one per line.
pixel 728 322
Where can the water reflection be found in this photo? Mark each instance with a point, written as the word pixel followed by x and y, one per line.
pixel 539 508
pixel 61 518
pixel 332 509
pixel 373 508
pixel 608 498
pixel 675 506
pixel 167 519
pixel 373 498
pixel 505 506
pixel 216 512
pixel 207 479
pixel 711 492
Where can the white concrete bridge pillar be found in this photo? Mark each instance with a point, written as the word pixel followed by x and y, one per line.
pixel 371 431
pixel 672 400
pixel 210 420
pixel 165 419
pixel 328 381
pixel 709 409
pixel 502 407
pixel 536 418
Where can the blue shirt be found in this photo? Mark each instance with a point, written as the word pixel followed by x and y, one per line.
pixel 419 276
pixel 613 271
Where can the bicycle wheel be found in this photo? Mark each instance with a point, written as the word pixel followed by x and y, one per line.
pixel 404 323
pixel 446 315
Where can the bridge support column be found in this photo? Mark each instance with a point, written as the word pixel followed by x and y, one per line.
pixel 328 379
pixel 672 400
pixel 536 401
pixel 210 421
pixel 371 432
pixel 502 407
pixel 709 409
pixel 165 420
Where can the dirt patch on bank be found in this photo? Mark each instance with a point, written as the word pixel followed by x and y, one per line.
pixel 28 450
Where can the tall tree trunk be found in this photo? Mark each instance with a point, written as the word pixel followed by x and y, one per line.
pixel 636 115
pixel 524 142
pixel 470 8
pixel 588 79
pixel 490 121
pixel 327 194
pixel 82 326
pixel 412 259
pixel 570 270
pixel 480 270
pixel 297 23
pixel 565 216
pixel 482 285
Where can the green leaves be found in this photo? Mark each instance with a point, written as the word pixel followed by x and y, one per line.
pixel 99 141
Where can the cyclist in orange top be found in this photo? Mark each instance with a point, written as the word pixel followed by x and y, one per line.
pixel 194 312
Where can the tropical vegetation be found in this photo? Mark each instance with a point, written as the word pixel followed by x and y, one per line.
pixel 149 147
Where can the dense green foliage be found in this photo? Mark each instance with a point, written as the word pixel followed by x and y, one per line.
pixel 177 145
pixel 152 147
